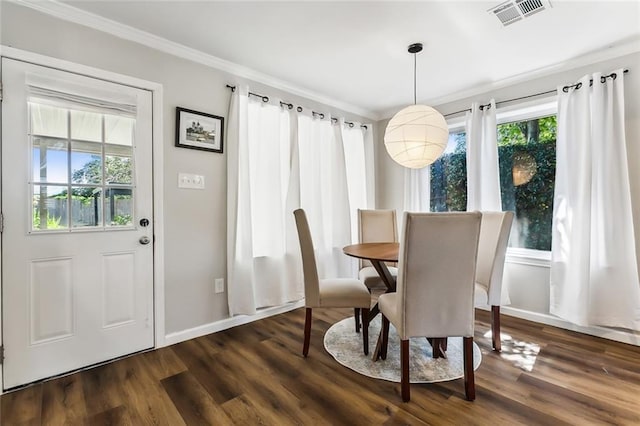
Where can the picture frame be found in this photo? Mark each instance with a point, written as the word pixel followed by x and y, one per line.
pixel 199 130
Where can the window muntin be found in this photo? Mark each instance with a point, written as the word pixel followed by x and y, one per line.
pixel 82 169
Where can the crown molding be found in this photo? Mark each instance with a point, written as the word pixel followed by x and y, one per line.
pixel 126 32
pixel 601 55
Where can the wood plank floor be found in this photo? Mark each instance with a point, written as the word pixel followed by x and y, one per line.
pixel 255 375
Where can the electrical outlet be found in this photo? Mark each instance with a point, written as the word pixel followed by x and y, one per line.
pixel 219 286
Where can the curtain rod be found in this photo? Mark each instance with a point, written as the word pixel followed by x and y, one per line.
pixel 265 99
pixel 565 89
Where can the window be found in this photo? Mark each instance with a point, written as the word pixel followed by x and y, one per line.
pixel 526 155
pixel 81 168
pixel 449 176
pixel 527 161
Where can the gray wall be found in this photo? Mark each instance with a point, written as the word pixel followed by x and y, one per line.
pixel 529 284
pixel 195 221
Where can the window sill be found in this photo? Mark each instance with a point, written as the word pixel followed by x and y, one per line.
pixel 529 257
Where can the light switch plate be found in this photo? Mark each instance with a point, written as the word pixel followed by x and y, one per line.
pixel 190 181
pixel 219 285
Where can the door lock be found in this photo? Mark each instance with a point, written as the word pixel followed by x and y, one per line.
pixel 144 222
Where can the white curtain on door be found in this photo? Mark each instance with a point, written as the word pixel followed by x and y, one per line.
pixel 594 275
pixel 483 174
pixel 279 160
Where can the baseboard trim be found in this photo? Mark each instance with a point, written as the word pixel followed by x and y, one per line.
pixel 201 330
pixel 548 319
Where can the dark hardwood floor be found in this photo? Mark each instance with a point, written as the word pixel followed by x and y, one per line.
pixel 255 374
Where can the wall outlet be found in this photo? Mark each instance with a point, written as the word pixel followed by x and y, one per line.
pixel 219 286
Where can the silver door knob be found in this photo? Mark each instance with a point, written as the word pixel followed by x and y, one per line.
pixel 145 240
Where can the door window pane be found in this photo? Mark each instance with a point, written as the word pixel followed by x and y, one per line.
pixel 86 162
pixel 118 130
pixel 49 160
pixel 118 170
pixel 449 176
pixel 49 210
pixel 48 120
pixel 118 208
pixel 86 126
pixel 86 206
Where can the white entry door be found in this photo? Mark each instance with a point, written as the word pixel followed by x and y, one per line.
pixel 77 244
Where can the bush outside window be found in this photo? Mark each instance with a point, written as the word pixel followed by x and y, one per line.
pixel 527 162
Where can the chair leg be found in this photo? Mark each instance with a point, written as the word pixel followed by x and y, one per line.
pixel 365 329
pixel 495 328
pixel 469 379
pixel 385 337
pixel 307 333
pixel 356 315
pixel 404 366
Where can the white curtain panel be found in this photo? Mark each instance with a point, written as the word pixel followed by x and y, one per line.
pixel 417 189
pixel 355 166
pixel 263 266
pixel 483 174
pixel 594 275
pixel 280 160
pixel 324 193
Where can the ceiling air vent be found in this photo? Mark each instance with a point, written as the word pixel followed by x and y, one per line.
pixel 515 10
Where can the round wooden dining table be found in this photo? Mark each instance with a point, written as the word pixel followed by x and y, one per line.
pixel 378 254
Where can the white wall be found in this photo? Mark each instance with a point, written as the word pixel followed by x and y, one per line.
pixel 529 284
pixel 195 221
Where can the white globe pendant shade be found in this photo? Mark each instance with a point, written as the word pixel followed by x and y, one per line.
pixel 416 136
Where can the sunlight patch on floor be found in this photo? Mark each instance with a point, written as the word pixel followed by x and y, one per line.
pixel 522 354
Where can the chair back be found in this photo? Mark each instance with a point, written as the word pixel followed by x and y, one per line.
pixel 492 249
pixel 309 268
pixel 376 226
pixel 436 272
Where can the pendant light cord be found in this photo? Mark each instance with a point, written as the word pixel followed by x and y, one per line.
pixel 414 79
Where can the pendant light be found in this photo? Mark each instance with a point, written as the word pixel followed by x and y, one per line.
pixel 417 135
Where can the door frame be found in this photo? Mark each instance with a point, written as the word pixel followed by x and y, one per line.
pixel 157 170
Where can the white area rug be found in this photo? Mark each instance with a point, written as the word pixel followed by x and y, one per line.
pixel 345 345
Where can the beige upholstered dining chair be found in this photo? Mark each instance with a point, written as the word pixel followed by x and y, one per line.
pixel 328 293
pixel 375 226
pixel 494 236
pixel 435 288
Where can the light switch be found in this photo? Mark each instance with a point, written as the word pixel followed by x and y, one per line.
pixel 190 181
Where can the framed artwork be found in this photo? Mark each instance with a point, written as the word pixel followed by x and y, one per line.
pixel 198 130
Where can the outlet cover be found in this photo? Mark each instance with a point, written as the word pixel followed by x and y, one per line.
pixel 219 285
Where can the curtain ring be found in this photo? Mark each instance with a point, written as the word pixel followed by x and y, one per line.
pixel 299 109
pixel 265 99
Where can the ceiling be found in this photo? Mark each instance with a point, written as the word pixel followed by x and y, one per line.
pixel 356 52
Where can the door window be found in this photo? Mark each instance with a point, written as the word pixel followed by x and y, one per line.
pixel 82 168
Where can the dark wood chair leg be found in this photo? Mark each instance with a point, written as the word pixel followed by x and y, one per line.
pixel 356 315
pixel 404 366
pixel 365 330
pixel 495 328
pixel 469 379
pixel 307 332
pixel 385 337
